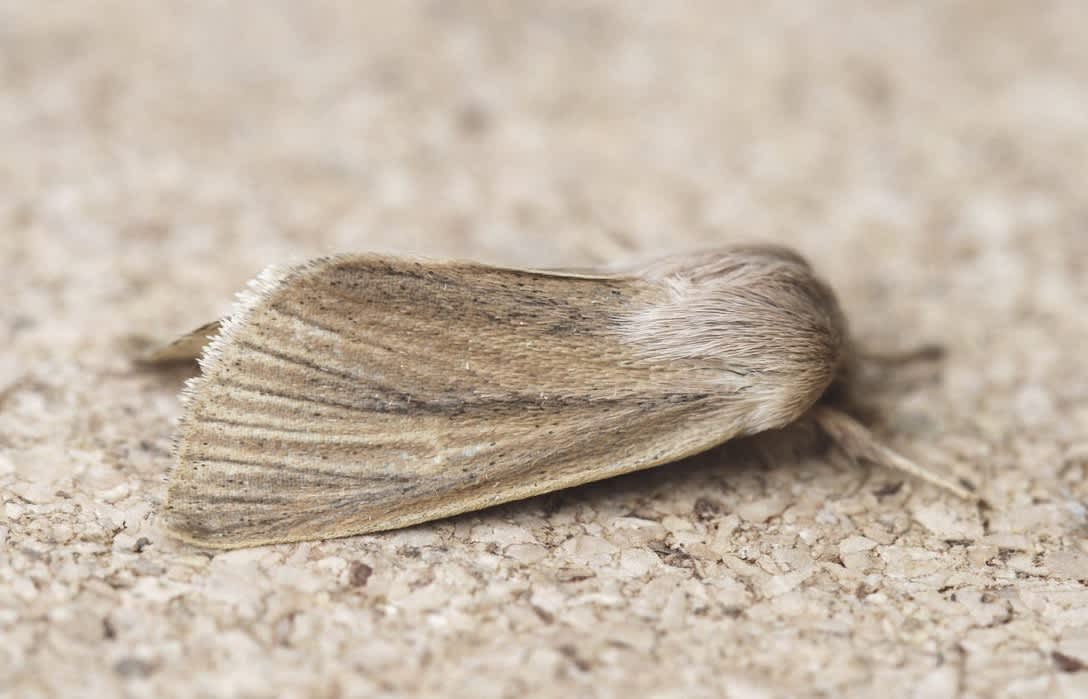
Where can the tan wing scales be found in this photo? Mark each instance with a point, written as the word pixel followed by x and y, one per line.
pixel 363 393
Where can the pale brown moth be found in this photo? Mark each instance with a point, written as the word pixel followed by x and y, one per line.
pixel 360 393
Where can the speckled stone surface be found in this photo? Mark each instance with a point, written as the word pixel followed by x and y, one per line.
pixel 928 157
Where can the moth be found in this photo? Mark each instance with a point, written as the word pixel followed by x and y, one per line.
pixel 360 393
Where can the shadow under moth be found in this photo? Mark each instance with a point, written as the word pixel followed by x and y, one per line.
pixel 361 393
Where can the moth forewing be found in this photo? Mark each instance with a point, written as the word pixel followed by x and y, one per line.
pixel 186 348
pixel 362 393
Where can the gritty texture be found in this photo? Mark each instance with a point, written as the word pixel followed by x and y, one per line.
pixel 927 157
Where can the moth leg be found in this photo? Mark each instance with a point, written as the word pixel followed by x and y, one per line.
pixel 862 445
pixel 186 348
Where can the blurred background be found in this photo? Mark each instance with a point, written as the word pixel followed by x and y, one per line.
pixel 157 155
pixel 928 157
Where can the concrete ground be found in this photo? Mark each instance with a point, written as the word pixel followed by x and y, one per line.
pixel 929 158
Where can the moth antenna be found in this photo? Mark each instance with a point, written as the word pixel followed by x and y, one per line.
pixel 859 443
pixel 922 353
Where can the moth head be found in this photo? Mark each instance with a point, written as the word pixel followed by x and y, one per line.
pixel 756 320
